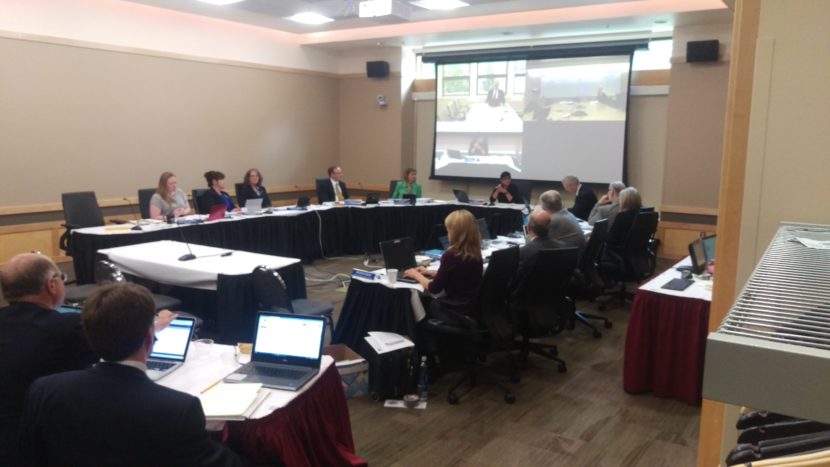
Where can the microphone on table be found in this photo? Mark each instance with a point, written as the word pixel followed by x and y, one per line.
pixel 189 256
pixel 135 214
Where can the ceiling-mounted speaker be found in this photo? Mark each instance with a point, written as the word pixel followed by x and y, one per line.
pixel 379 69
pixel 702 51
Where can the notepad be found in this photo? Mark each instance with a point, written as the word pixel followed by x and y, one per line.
pixel 232 401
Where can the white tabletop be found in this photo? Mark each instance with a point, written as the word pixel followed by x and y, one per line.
pixel 701 289
pixel 209 363
pixel 159 261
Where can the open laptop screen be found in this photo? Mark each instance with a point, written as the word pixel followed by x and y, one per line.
pixel 171 343
pixel 398 254
pixel 288 337
pixel 698 256
pixel 709 244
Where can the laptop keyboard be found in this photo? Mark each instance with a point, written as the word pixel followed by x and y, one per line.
pixel 159 366
pixel 272 372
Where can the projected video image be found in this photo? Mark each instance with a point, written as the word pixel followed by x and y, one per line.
pixel 538 119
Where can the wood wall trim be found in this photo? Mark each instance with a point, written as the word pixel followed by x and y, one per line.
pixel 650 78
pixel 160 54
pixel 689 210
pixel 733 174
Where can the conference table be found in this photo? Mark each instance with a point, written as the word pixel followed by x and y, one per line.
pixel 308 427
pixel 218 280
pixel 665 343
pixel 320 231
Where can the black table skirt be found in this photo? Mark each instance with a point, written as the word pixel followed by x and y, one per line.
pixel 373 307
pixel 342 231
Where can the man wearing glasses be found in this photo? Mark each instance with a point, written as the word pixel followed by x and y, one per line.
pixel 35 339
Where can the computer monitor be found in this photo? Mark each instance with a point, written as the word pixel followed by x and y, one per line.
pixel 698 255
pixel 398 254
pixel 709 243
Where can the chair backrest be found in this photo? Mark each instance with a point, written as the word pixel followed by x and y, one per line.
pixel 322 190
pixel 637 255
pixel 80 209
pixel 201 206
pixel 589 261
pixel 392 185
pixel 492 308
pixel 144 196
pixel 106 272
pixel 525 188
pixel 240 200
pixel 270 290
pixel 543 293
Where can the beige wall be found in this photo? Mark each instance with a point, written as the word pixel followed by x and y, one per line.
pixel 77 118
pixel 788 158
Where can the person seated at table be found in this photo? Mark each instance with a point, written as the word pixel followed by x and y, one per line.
pixel 252 188
pixel 564 227
pixel 630 204
pixel 459 276
pixel 505 191
pixel 216 194
pixel 407 186
pixel 168 200
pixel 585 198
pixel 495 97
pixel 336 189
pixel 112 413
pixel 538 226
pixel 608 206
pixel 478 146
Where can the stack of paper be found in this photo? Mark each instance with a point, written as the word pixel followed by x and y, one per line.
pixel 384 342
pixel 236 401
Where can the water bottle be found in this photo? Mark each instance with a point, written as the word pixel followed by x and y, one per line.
pixel 423 388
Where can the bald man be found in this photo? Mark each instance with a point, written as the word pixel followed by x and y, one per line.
pixel 538 226
pixel 35 339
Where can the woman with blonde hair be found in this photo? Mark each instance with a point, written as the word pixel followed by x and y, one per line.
pixel 459 276
pixel 408 185
pixel 168 200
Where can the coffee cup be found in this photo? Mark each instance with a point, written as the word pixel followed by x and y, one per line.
pixel 392 275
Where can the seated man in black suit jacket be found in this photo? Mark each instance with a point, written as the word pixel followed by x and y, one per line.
pixel 112 413
pixel 329 191
pixel 538 226
pixel 35 340
pixel 585 197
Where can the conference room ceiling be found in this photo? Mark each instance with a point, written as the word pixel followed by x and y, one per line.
pixel 483 21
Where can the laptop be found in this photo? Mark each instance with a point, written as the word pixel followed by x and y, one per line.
pixel 217 211
pixel 698 254
pixel 483 229
pixel 253 205
pixel 286 353
pixel 398 254
pixel 461 196
pixel 709 244
pixel 170 349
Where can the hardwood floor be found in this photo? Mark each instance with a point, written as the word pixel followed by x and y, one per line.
pixel 579 418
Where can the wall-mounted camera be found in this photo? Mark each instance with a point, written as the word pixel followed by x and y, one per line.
pixel 382 101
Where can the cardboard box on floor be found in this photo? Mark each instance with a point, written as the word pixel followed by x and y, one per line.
pixel 353 369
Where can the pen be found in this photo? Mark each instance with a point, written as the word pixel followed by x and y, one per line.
pixel 211 385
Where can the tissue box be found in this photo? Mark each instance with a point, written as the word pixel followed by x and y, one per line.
pixel 353 369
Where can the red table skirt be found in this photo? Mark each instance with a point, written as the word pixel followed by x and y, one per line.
pixel 665 346
pixel 313 429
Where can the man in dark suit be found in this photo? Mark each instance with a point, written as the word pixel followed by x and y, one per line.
pixel 112 413
pixel 538 225
pixel 35 339
pixel 495 97
pixel 335 189
pixel 585 197
pixel 564 228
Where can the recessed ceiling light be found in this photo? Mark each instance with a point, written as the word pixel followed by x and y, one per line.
pixel 440 4
pixel 310 18
pixel 220 2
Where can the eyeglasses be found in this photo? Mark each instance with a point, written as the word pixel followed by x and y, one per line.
pixel 62 275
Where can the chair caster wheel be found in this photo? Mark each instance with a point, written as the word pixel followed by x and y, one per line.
pixel 562 368
pixel 597 334
pixel 452 399
pixel 509 398
pixel 609 325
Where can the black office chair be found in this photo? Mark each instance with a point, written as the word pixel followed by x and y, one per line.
pixel 322 185
pixel 490 328
pixel 542 302
pixel 144 196
pixel 587 282
pixel 635 261
pixel 392 185
pixel 240 200
pixel 271 294
pixel 525 188
pixel 80 210
pixel 200 203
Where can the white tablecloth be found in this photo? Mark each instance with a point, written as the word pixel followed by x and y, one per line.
pixel 158 261
pixel 701 289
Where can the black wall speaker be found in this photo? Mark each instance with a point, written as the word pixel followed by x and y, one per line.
pixel 702 51
pixel 379 69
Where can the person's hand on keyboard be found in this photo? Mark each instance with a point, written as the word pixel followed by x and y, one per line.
pixel 163 318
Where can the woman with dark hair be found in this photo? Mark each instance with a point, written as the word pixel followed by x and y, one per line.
pixel 252 188
pixel 505 191
pixel 216 194
pixel 408 185
pixel 168 200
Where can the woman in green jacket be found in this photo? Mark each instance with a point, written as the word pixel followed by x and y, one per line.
pixel 407 185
